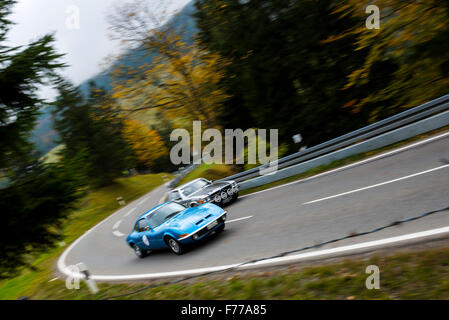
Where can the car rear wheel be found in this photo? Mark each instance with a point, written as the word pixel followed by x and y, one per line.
pixel 139 252
pixel 175 246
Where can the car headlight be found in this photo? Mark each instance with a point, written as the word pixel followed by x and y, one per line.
pixel 235 188
pixel 195 236
pixel 223 195
pixel 230 191
pixel 217 198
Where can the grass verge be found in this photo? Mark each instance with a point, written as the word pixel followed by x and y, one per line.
pixel 95 207
pixel 403 275
pixel 342 162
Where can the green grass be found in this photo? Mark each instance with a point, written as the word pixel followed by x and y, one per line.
pixel 404 275
pixel 95 207
pixel 341 162
pixel 209 171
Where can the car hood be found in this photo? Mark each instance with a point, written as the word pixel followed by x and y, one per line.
pixel 210 189
pixel 195 216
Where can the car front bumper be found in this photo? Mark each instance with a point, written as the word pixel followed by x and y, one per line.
pixel 225 195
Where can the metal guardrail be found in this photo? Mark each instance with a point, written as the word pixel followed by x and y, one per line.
pixel 181 175
pixel 397 121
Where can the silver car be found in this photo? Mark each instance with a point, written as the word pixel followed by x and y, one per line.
pixel 201 190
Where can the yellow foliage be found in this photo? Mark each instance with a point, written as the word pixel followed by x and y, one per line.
pixel 146 143
pixel 183 82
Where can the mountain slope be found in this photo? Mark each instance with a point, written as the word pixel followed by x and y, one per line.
pixel 44 135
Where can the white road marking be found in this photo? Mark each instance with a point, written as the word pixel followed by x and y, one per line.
pixel 378 184
pixel 383 155
pixel 129 212
pixel 118 233
pixel 290 258
pixel 116 225
pixel 229 221
pixel 141 202
pixel 115 229
pixel 61 261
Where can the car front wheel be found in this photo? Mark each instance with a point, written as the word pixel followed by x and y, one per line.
pixel 175 246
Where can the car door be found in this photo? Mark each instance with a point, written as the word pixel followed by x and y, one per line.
pixel 142 236
pixel 156 236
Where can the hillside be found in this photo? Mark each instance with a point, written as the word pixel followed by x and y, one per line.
pixel 44 135
pixel 138 57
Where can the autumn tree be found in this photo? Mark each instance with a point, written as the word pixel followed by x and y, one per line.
pixel 412 43
pixel 183 81
pixel 146 143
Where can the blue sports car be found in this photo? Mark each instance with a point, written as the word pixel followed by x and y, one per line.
pixel 174 225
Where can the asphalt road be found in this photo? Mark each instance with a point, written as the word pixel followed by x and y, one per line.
pixel 330 206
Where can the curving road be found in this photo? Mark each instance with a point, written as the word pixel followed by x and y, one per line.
pixel 396 185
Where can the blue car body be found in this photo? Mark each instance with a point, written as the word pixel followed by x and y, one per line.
pixel 188 226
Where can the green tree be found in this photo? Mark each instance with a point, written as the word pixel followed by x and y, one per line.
pixel 33 210
pixel 22 71
pixel 91 130
pixel 283 73
pixel 36 198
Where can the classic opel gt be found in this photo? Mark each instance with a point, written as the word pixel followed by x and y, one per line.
pixel 174 225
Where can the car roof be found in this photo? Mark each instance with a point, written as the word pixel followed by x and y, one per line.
pixel 153 209
pixel 186 184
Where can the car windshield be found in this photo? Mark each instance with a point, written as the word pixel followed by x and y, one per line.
pixel 194 186
pixel 173 195
pixel 164 213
